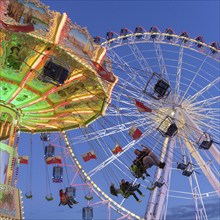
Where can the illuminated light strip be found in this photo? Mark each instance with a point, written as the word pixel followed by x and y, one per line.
pixel 29 127
pixel 92 183
pixel 39 59
pixel 74 77
pixel 20 87
pixel 60 105
pixel 58 117
pixel 74 99
pixel 42 98
pixel 102 55
pixel 3 125
pixel 51 91
pixel 45 125
pixel 81 98
pixel 62 23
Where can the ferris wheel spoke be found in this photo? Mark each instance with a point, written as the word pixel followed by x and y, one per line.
pixel 206 102
pixel 108 131
pixel 114 157
pixel 193 80
pixel 212 126
pixel 213 150
pixel 179 72
pixel 160 60
pixel 125 67
pixel 140 58
pixel 205 89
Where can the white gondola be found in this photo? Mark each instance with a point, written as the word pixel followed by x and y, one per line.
pixel 205 141
pixel 157 87
pixel 167 127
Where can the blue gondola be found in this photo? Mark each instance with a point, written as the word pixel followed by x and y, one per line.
pixel 109 35
pixel 169 31
pixel 87 213
pixel 185 35
pixel 200 40
pixel 45 137
pixel 97 40
pixel 214 45
pixel 49 151
pixel 139 31
pixel 57 174
pixel 154 29
pixel 168 128
pixel 124 32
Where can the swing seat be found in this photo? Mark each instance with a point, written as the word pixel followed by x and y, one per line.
pixel 182 166
pixel 49 197
pixel 206 145
pixel 29 195
pixel 151 188
pixel 135 171
pixel 88 198
pixel 187 173
pixel 158 184
pixel 113 191
pixel 135 187
pixel 125 194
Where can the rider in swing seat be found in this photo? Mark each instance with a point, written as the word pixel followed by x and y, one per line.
pixel 148 158
pixel 64 200
pixel 127 189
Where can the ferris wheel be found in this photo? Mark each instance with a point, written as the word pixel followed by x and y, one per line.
pixel 166 98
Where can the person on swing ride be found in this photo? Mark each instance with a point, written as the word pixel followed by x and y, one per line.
pixel 126 189
pixel 147 157
pixel 64 200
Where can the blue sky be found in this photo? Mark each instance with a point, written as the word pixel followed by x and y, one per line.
pixel 195 17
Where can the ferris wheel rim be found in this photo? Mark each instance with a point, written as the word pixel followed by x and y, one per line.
pixel 162 40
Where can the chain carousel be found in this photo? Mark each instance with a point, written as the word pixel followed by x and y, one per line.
pixel 48 65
